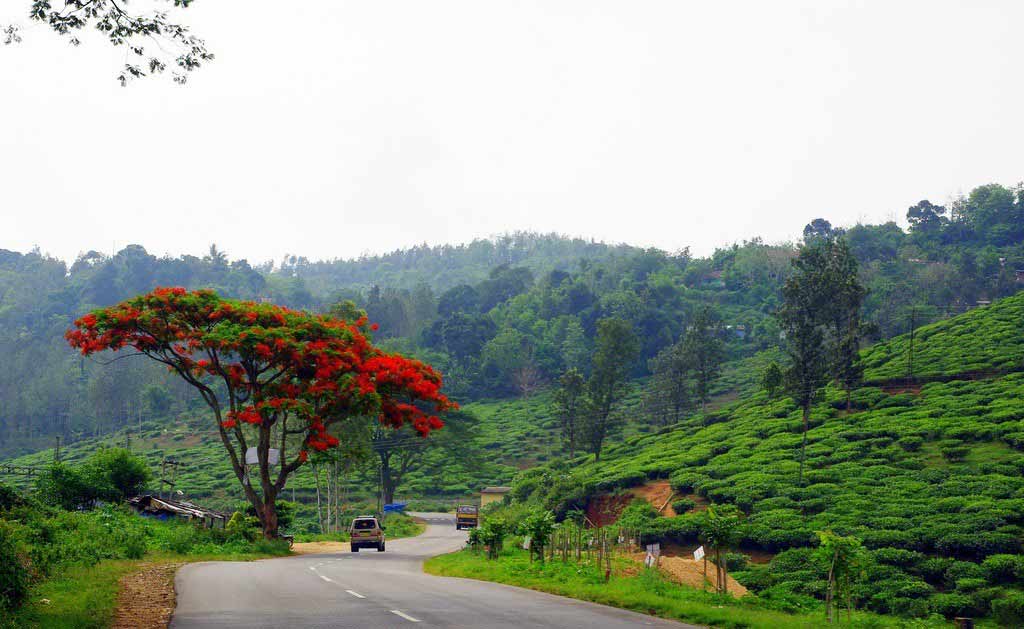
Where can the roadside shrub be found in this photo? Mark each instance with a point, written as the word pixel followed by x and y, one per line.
pixel 240 527
pixel 134 545
pixel 180 538
pixel 66 487
pixel 538 525
pixel 14 577
pixel 116 474
pixel 9 498
pixel 492 535
pixel 475 540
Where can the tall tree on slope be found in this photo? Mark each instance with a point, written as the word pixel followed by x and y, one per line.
pixel 705 352
pixel 616 351
pixel 804 317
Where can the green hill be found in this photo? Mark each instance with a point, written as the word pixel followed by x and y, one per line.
pixel 986 340
pixel 932 480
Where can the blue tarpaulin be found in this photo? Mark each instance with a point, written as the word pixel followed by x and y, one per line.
pixel 395 507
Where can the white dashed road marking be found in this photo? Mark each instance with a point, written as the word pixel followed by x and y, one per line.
pixel 355 594
pixel 406 616
pixel 326 579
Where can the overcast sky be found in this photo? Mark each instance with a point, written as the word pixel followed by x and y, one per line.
pixel 329 129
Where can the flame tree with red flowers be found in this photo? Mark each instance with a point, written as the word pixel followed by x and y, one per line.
pixel 273 377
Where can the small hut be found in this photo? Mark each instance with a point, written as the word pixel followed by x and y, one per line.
pixel 163 509
pixel 492 494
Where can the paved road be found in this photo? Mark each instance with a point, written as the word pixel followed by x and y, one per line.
pixel 371 590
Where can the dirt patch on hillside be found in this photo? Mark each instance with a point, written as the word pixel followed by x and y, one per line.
pixel 605 509
pixel 658 493
pixel 146 599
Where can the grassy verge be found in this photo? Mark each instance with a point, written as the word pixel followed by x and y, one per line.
pixel 85 597
pixel 645 591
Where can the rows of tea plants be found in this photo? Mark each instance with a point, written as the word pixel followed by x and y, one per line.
pixel 988 340
pixel 931 481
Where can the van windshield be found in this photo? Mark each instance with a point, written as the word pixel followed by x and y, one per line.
pixel 362 525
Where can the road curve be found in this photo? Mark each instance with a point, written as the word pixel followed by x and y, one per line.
pixel 370 590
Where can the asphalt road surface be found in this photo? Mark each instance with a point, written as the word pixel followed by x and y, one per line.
pixel 371 590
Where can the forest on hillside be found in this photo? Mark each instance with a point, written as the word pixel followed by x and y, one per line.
pixel 500 318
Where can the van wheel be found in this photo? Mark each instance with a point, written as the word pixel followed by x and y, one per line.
pixel 380 547
pixel 355 548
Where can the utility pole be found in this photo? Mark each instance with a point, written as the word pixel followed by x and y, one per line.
pixel 56 451
pixel 164 464
pixel 380 490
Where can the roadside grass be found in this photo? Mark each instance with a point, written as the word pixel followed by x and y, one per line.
pixel 401 525
pixel 82 597
pixel 645 591
pixel 85 597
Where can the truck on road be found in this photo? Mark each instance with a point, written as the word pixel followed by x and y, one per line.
pixel 466 517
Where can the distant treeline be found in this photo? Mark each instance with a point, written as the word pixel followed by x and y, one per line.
pixel 500 317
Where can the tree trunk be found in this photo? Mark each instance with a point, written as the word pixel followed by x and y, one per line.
pixel 319 509
pixel 270 518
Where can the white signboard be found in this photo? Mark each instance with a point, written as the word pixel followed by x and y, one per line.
pixel 526 543
pixel 251 458
pixel 698 554
pixel 654 549
pixel 650 560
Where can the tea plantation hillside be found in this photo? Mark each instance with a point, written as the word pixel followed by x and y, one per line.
pixel 986 340
pixel 930 478
pixel 510 435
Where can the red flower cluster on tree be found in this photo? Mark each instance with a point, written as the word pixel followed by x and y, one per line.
pixel 281 367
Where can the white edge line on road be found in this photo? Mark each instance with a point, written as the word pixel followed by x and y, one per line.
pixel 355 594
pixel 406 616
pixel 313 568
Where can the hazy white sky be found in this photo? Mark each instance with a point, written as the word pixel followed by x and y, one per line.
pixel 331 128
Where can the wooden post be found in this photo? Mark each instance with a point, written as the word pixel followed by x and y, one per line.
pixel 705 572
